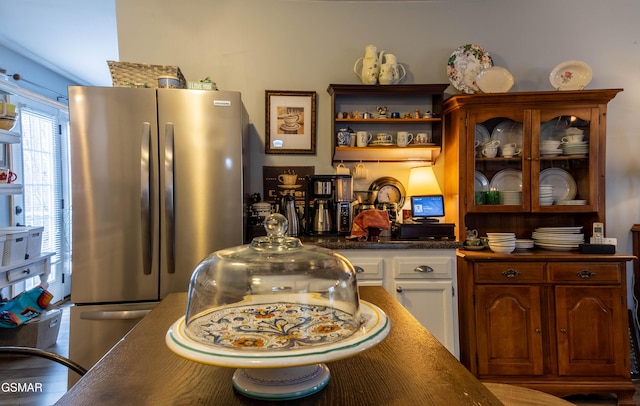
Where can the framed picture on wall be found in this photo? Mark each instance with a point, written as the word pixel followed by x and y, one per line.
pixel 290 122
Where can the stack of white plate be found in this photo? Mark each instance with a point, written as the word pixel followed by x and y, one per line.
pixel 578 202
pixel 524 244
pixel 558 238
pixel 575 148
pixel 511 197
pixel 502 243
pixel 546 195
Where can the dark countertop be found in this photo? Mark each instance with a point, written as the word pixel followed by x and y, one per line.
pixel 409 367
pixel 341 243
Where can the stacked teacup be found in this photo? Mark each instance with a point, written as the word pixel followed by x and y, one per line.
pixel 550 147
pixel 546 195
pixel 489 149
pixel 502 243
pixel 573 142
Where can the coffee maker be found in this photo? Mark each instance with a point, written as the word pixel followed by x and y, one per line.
pixel 329 204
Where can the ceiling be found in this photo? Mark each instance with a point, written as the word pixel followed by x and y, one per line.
pixel 74 38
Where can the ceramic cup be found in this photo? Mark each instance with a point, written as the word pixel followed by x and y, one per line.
pixel 510 150
pixel 423 138
pixel 341 169
pixel 363 138
pixel 490 152
pixel 7 176
pixel 360 171
pixel 288 179
pixel 573 138
pixel 383 137
pixel 404 138
pixel 343 138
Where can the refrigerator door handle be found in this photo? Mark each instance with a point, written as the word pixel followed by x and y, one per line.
pixel 114 314
pixel 169 198
pixel 146 227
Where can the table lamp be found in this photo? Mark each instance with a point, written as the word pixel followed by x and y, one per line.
pixel 422 181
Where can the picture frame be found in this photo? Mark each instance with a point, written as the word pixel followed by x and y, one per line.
pixel 290 122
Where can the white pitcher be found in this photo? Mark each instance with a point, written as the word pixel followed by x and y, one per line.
pixel 370 66
pixel 390 70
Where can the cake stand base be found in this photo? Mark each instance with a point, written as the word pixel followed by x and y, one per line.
pixel 281 383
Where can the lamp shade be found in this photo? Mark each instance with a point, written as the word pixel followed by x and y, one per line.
pixel 422 181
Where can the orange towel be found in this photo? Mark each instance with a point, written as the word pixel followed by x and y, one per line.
pixel 368 218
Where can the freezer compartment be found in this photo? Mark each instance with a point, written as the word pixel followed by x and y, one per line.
pixel 94 329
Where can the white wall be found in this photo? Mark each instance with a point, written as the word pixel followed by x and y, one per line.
pixel 255 45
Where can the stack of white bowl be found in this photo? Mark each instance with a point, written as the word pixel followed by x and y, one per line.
pixel 546 195
pixel 524 244
pixel 511 197
pixel 550 147
pixel 502 243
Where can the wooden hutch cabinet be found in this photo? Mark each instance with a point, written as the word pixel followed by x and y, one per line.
pixel 549 319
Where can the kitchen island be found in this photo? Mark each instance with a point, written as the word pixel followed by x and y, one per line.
pixel 409 367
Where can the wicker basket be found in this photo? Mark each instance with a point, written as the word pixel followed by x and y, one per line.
pixel 129 74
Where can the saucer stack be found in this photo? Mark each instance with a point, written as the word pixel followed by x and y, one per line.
pixel 524 244
pixel 511 197
pixel 558 238
pixel 575 148
pixel 546 195
pixel 502 243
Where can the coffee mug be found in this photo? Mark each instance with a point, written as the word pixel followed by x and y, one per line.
pixel 424 138
pixel 360 171
pixel 343 138
pixel 341 169
pixel 404 138
pixel 7 176
pixel 363 138
pixel 288 179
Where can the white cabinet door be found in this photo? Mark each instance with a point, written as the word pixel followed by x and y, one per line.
pixel 432 304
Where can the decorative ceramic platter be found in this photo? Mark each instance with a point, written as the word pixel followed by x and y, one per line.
pixel 508 132
pixel 464 65
pixel 273 335
pixel 564 186
pixel 495 79
pixel 481 182
pixel 571 75
pixel 507 180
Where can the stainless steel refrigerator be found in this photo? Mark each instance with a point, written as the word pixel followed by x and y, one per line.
pixel 159 181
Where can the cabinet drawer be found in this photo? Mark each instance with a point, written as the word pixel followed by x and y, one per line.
pixel 427 267
pixel 26 271
pixel 373 268
pixel 509 272
pixel 586 272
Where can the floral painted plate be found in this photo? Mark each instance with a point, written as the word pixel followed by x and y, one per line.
pixel 570 75
pixel 464 65
pixel 244 336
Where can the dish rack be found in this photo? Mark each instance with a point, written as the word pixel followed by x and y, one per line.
pixel 131 74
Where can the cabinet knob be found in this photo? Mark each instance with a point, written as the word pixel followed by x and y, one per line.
pixel 563 330
pixel 399 289
pixel 510 273
pixel 537 330
pixel 423 268
pixel 358 269
pixel 586 274
pixel 26 271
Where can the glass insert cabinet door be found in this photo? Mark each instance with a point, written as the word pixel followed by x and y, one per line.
pixel 499 169
pixel 534 160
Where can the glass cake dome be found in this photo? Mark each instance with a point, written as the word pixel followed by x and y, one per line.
pixel 277 311
pixel 275 278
